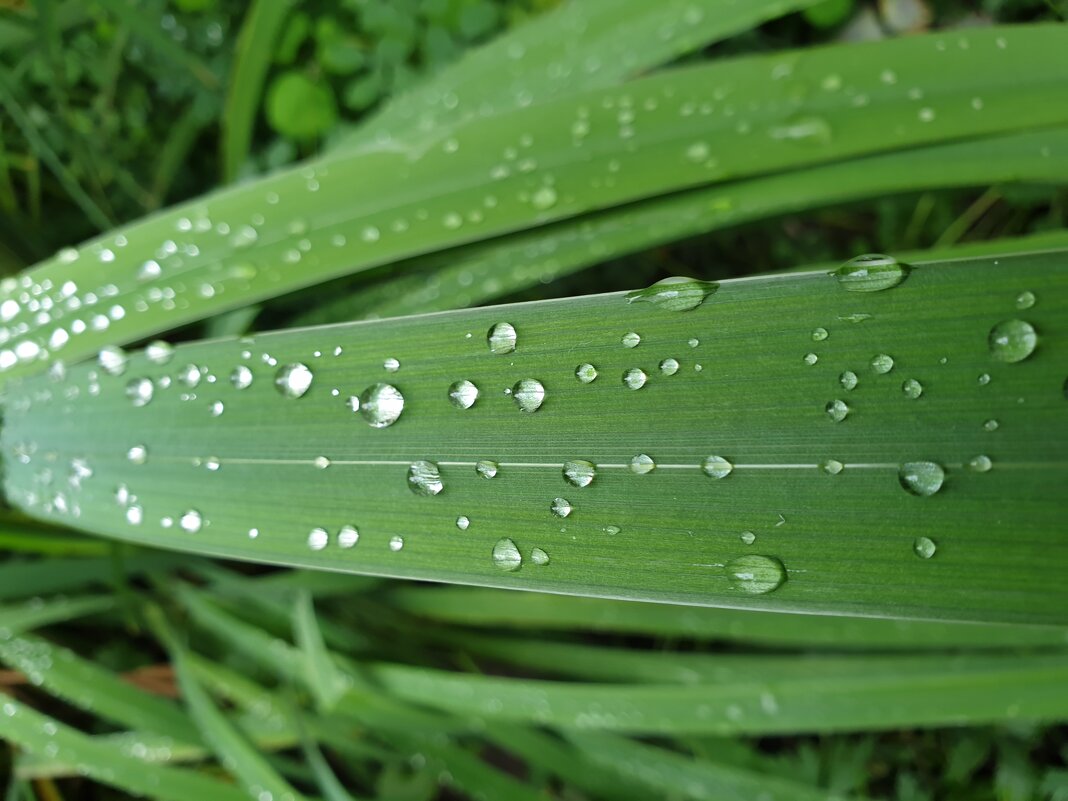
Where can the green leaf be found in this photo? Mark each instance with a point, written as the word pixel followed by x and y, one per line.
pixel 838 492
pixel 37 613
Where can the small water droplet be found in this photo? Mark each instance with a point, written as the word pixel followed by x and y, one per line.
pixel 586 373
pixel 912 388
pixel 140 391
pixel 984 379
pixel 755 574
pixel 612 530
pixel 980 464
pixel 669 366
pixel 396 543
pixel 347 537
pixel 486 468
pixel 253 533
pixel 463 394
pixel 635 378
pixel 1025 300
pixel 991 425
pixel 543 198
pixel 381 405
pixel 318 539
pixel 463 522
pixel 1012 341
pixel 831 467
pixel 579 473
pixel 819 334
pixel 424 478
pixel 837 410
pixel 241 377
pixel 135 515
pixel 217 408
pixel 642 463
pixel 848 380
pixel 190 521
pixel 716 467
pixel 561 507
pixel 921 478
pixel 501 338
pixel 189 375
pixel 882 363
pixel 693 342
pixel 506 555
pixel 138 454
pixel 924 547
pixel 112 360
pixel 539 556
pixel 293 380
pixel 871 272
pixel 811 358
pixel 391 365
pixel 159 352
pixel 631 340
pixel 674 294
pixel 528 394
pixel 321 462
pixel 748 537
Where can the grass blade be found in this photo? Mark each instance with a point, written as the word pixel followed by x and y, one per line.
pixel 36 613
pixel 328 684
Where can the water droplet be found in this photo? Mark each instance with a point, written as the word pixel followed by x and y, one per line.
pixel 1025 300
pixel 586 373
pixel 669 366
pixel 631 340
pixel 501 338
pixel 293 380
pixel 506 555
pixel 811 358
pixel 674 294
pixel 693 342
pixel 135 515
pixel 635 378
pixel 991 425
pixel 543 198
pixel 253 533
pixel 381 405
pixel 924 547
pixel 612 530
pixel 805 130
pixel 831 467
pixel 848 380
pixel 217 408
pixel 318 539
pixel 159 352
pixel 539 556
pixel 347 537
pixel 190 521
pixel 463 522
pixel 642 463
pixel 140 391
pixel 561 507
pixel 112 360
pixel 424 478
pixel 138 454
pixel 748 537
pixel 241 377
pixel 819 334
pixel 980 464
pixel 529 394
pixel 912 388
pixel 755 575
pixel 189 375
pixel 396 543
pixel 716 467
pixel 837 410
pixel 1012 341
pixel 882 363
pixel 321 462
pixel 391 365
pixel 871 272
pixel 984 379
pixel 579 473
pixel 463 394
pixel 921 478
pixel 486 468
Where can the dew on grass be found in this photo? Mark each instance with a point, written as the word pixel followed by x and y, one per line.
pixel 191 521
pixel 318 539
pixel 838 410
pixel 293 380
pixel 635 378
pixel 501 338
pixel 506 555
pixel 528 394
pixel 755 574
pixel 381 405
pixel 561 507
pixel 579 473
pixel 716 467
pixel 1012 341
pixel 586 373
pixel 871 272
pixel 882 363
pixel 641 464
pixel 424 478
pixel 463 394
pixel 924 547
pixel 347 537
pixel 486 468
pixel 921 478
pixel 674 294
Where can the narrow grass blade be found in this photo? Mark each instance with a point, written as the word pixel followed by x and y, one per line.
pixel 356 209
pixel 21 578
pixel 37 613
pixel 43 542
pixel 323 677
pixel 252 57
pixel 101 761
pixel 804 472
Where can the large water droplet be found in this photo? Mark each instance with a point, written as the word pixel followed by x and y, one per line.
pixel 631 340
pixel 882 363
pixel 318 539
pixel 848 380
pixel 347 537
pixel 1012 341
pixel 921 478
pixel 506 555
pixel 819 334
pixel 635 378
pixel 190 521
pixel 486 468
pixel 586 373
pixel 159 352
pixel 980 464
pixel 561 507
pixel 463 522
pixel 241 377
pixel 463 394
pixel 138 454
pixel 579 473
pixel 755 574
pixel 831 467
pixel 669 366
pixel 924 547
pixel 140 391
pixel 396 543
pixel 381 405
pixel 810 359
pixel 538 556
pixel 748 537
pixel 501 338
pixel 871 272
pixel 674 294
pixel 135 515
pixel 716 467
pixel 837 410
pixel 424 478
pixel 912 388
pixel 189 375
pixel 112 360
pixel 293 380
pixel 642 463
pixel 528 394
